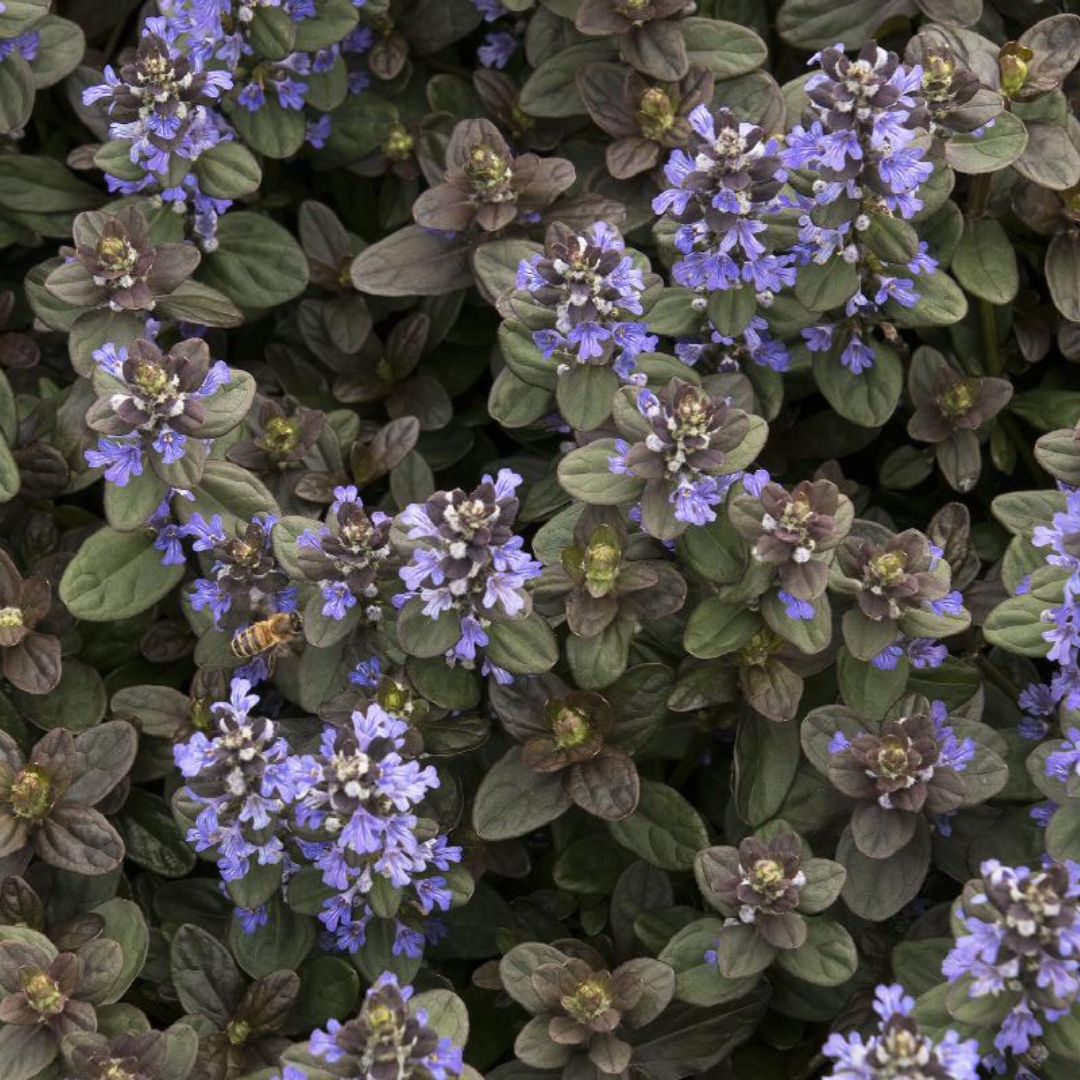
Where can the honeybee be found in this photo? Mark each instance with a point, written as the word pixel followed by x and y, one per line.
pixel 270 636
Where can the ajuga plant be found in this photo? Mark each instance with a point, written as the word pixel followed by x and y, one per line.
pixel 539 539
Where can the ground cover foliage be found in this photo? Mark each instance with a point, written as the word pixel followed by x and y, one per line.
pixel 540 538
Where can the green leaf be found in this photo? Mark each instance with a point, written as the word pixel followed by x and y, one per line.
pixel 25 1052
pixel 420 635
pixel 991 150
pixel 716 628
pixel 1047 410
pixel 413 262
pixel 20 15
pixel 664 830
pixel 551 90
pixel 204 975
pixel 151 837
pixel 329 988
pixel 516 968
pixel 891 239
pixel 586 475
pixel 822 287
pixel 115 575
pixel 228 170
pixel 42 185
pixel 495 264
pixel 867 399
pixel 10 478
pixel 281 943
pixel 1063 833
pixel 61 45
pixel 697 981
pixel 731 309
pixel 584 395
pixel 741 952
pixel 1059 454
pixel 514 403
pixel 273 130
pixel 598 661
pixel 828 957
pixel 334 19
pixel 715 551
pixel 77 702
pixel 523 646
pixel 1022 511
pixel 941 302
pixel 357 127
pixel 512 800
pixel 16 93
pixel 127 508
pixel 228 406
pixel 984 262
pixel 876 889
pixel 195 302
pixel 446 1013
pixel 272 33
pixel 766 760
pixel 94 329
pixel 230 491
pixel 724 48
pixel 257 263
pixel 1062 273
pixel 673 314
pixel 816 24
pixel 1016 625
pixel 124 924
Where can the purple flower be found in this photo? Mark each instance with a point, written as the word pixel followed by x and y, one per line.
pixel 898 1044
pixel 794 608
pixel 387 1030
pixel 497 49
pixel 590 284
pixel 468 560
pixel 120 457
pixel 1021 945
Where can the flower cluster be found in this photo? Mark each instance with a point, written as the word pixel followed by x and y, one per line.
pixel 1062 539
pixel 355 821
pixel 487 187
pixel 721 188
pixel 682 458
pixel 162 104
pixel 892 577
pixel 591 284
pixel 114 264
pixel 200 56
pixel 795 531
pixel 387 1039
pixel 346 555
pixel 347 810
pixel 151 405
pixel 899 1049
pixel 242 778
pixel 158 102
pixel 468 562
pixel 1021 948
pixel 912 762
pixel 862 145
pixel 245 581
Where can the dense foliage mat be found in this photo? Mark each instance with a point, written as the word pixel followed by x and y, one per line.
pixel 539 538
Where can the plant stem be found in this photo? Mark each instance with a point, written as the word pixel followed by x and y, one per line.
pixel 979 194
